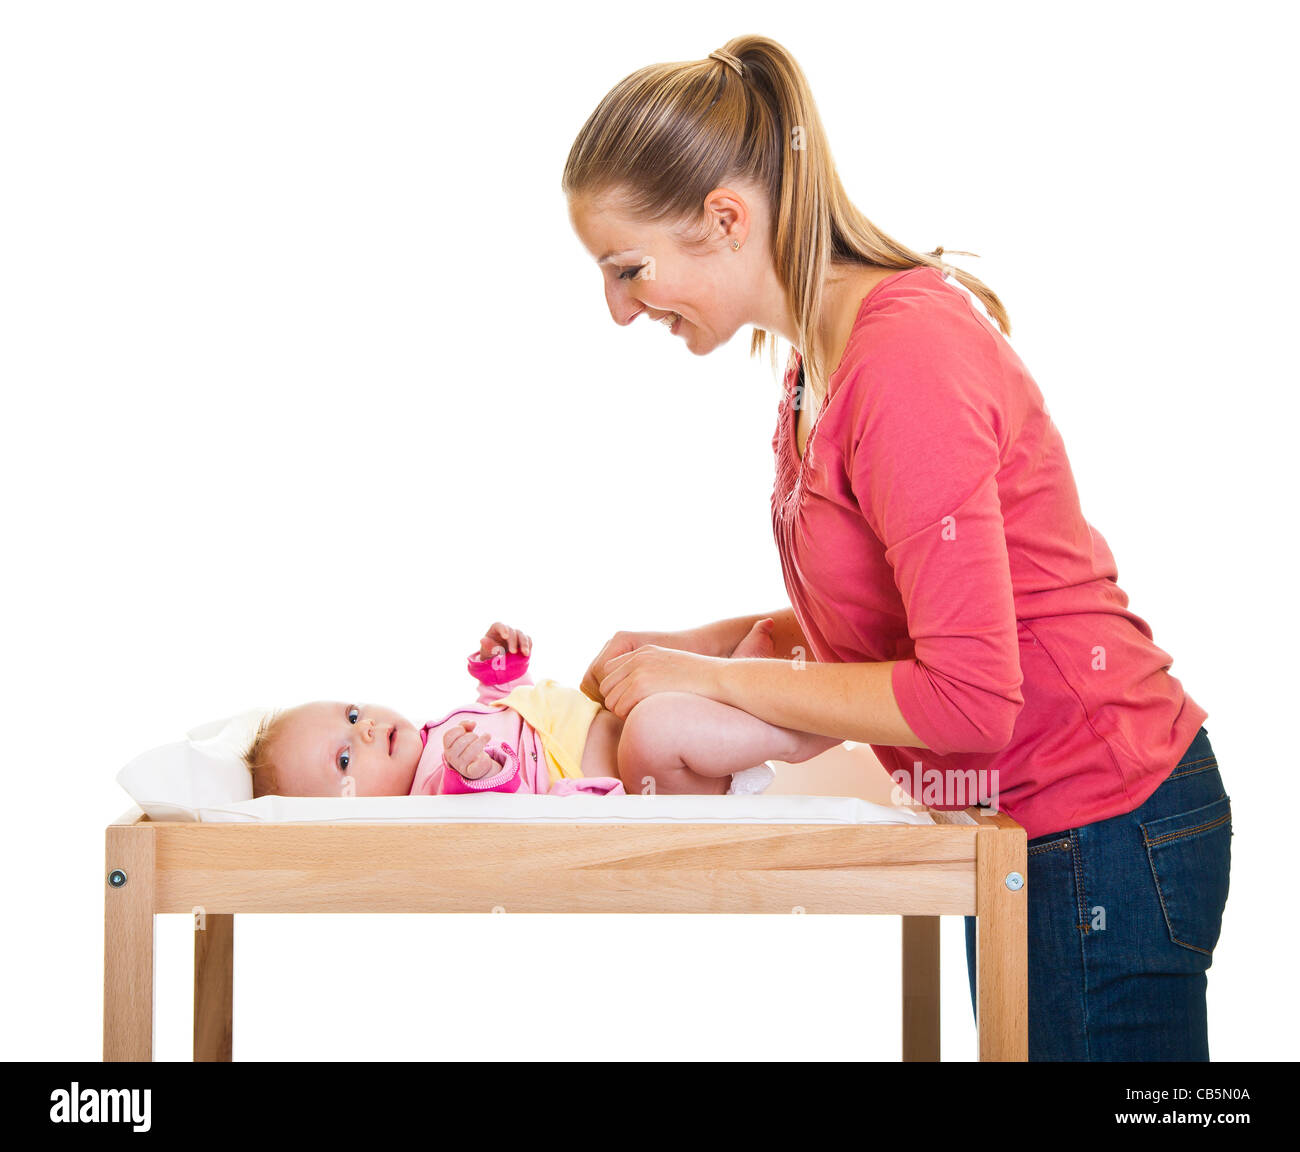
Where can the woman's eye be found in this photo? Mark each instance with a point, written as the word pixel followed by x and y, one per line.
pixel 354 714
pixel 345 758
pixel 630 273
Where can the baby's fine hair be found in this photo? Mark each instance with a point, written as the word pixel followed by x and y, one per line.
pixel 258 756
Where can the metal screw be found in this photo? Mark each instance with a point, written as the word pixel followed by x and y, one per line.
pixel 1015 881
pixel 116 878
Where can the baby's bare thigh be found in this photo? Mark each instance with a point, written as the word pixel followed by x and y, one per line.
pixel 600 753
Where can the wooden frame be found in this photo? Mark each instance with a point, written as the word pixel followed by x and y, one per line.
pixel 967 863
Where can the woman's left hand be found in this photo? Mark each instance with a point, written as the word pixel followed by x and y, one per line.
pixel 630 678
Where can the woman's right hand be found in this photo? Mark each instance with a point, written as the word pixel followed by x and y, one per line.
pixel 617 645
pixel 720 638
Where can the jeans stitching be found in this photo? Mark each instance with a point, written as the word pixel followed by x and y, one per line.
pixel 1054 846
pixel 1211 767
pixel 1190 769
pixel 1165 909
pixel 1081 895
pixel 1076 858
pixel 1164 838
pixel 1151 860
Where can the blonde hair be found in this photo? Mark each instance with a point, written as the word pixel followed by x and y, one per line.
pixel 258 756
pixel 667 135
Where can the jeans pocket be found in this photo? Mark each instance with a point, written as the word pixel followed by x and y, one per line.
pixel 1190 856
pixel 1056 844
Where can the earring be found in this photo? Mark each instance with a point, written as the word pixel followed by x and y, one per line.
pixel 735 244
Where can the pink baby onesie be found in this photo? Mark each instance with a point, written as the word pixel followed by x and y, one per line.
pixel 513 743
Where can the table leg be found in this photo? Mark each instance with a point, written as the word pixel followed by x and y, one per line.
pixel 128 943
pixel 214 974
pixel 1002 938
pixel 920 988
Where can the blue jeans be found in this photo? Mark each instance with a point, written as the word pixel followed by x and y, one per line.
pixel 1123 918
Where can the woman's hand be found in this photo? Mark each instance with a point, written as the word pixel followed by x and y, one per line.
pixel 504 637
pixel 617 645
pixel 648 669
pixel 738 637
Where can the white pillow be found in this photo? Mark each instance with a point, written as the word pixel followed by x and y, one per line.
pixel 206 770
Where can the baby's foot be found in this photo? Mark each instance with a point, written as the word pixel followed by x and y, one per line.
pixel 758 642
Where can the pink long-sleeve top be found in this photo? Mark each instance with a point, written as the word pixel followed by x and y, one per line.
pixel 934 521
pixel 514 744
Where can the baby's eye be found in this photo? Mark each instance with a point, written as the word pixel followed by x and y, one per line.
pixel 630 273
pixel 354 714
pixel 345 758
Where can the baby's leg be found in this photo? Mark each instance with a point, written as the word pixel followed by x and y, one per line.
pixel 600 753
pixel 690 744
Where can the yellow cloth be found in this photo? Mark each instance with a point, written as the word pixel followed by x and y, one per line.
pixel 562 717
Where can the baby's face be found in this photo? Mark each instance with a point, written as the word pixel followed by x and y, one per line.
pixel 320 745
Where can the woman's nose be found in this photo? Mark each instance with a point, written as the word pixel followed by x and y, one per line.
pixel 623 306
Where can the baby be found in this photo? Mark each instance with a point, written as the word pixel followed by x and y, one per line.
pixel 526 737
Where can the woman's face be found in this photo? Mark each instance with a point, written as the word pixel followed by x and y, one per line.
pixel 647 272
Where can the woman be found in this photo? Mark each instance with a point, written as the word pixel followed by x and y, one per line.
pixel 949 604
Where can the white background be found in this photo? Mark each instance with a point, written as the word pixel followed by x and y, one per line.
pixel 307 380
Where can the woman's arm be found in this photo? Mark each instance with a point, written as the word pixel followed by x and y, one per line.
pixel 847 701
pixel 721 637
pixel 717 639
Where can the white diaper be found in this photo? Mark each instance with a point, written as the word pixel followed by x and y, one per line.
pixel 751 781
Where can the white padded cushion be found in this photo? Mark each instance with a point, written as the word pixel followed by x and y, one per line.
pixel 205 770
pixel 496 807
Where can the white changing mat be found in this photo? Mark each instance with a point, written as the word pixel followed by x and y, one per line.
pixel 203 778
pixel 495 807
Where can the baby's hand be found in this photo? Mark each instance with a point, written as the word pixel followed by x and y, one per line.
pixel 502 636
pixel 466 753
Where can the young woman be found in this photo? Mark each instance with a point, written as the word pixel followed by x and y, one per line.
pixel 949 603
